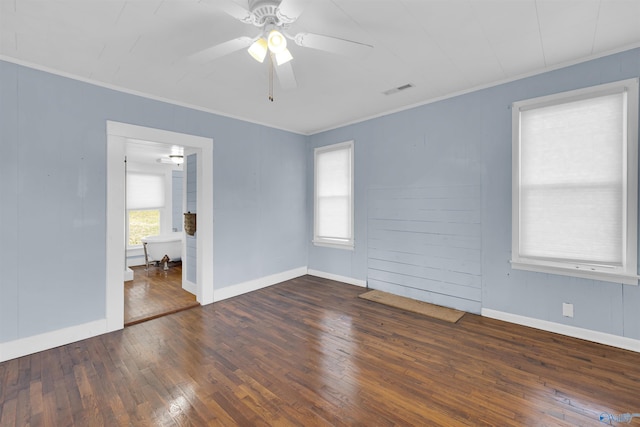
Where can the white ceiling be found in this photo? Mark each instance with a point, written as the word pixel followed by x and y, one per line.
pixel 442 47
pixel 151 152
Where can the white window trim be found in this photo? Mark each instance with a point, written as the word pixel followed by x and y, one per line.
pixel 628 272
pixel 324 241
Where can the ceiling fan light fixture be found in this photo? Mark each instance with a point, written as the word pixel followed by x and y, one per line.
pixel 258 49
pixel 276 42
pixel 283 57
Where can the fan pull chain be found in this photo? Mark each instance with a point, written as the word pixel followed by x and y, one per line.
pixel 271 78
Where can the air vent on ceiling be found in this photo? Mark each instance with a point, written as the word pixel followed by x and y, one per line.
pixel 398 89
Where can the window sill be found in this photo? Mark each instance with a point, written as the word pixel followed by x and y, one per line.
pixel 335 245
pixel 579 271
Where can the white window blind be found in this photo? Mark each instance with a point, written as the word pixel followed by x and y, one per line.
pixel 571 171
pixel 145 191
pixel 573 204
pixel 334 194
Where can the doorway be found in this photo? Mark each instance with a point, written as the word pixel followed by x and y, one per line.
pixel 156 197
pixel 117 136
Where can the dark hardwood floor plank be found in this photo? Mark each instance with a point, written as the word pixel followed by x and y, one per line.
pixel 309 352
pixel 9 414
pixel 155 293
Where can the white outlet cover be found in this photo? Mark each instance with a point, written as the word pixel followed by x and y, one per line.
pixel 567 309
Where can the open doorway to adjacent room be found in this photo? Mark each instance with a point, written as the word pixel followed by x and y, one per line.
pixel 153 178
pixel 154 233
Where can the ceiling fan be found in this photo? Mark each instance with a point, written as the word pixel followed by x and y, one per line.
pixel 273 18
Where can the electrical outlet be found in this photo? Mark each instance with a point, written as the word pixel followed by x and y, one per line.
pixel 567 309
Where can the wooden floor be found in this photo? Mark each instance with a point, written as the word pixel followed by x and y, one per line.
pixel 155 293
pixel 308 352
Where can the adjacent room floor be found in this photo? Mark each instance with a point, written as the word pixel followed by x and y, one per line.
pixel 155 293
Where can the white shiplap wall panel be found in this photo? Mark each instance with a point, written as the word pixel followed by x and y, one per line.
pixel 425 243
pixel 452 264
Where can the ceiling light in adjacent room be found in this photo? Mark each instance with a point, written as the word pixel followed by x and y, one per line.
pixel 176 158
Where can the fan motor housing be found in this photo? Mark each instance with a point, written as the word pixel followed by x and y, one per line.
pixel 265 12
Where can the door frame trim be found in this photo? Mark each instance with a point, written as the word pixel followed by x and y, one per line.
pixel 117 135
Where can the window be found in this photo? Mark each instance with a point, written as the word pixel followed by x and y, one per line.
pixel 142 223
pixel 145 199
pixel 575 183
pixel 333 210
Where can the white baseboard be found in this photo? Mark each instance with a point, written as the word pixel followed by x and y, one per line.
pixel 29 345
pixel 254 285
pixel 190 287
pixel 338 278
pixel 134 263
pixel 572 331
pixel 128 275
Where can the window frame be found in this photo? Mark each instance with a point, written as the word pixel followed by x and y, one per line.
pixel 327 240
pixel 627 272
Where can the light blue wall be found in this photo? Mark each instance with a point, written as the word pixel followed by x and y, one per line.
pixel 53 196
pixel 53 183
pixel 258 207
pixel 177 219
pixel 466 140
pixel 9 295
pixel 600 306
pixel 191 168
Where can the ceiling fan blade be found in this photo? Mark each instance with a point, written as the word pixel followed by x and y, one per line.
pixel 285 74
pixel 332 44
pixel 290 10
pixel 232 9
pixel 220 50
